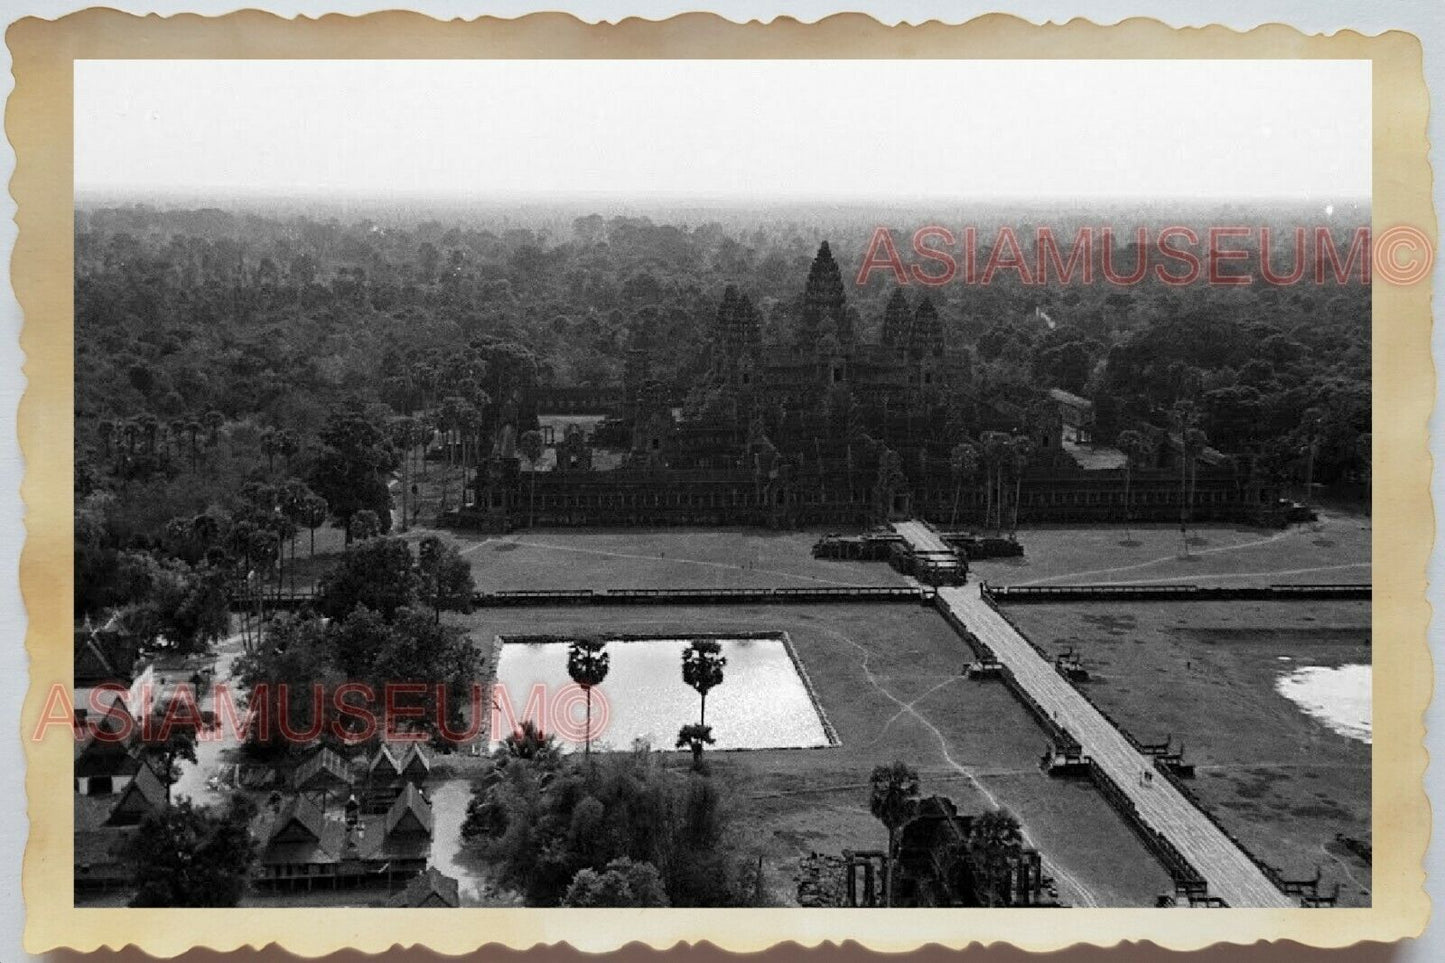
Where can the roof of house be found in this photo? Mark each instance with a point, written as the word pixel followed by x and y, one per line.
pixel 300 812
pixel 415 761
pixel 300 833
pixel 429 888
pixel 143 793
pixel 104 757
pixel 324 769
pixel 105 707
pixel 91 662
pixel 412 802
pixel 104 655
pixel 383 762
pixel 1069 398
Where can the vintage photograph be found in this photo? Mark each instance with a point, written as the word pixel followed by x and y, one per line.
pixel 722 483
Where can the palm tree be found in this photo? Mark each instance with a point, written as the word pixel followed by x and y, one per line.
pixel 995 447
pixel 287 445
pixel 469 427
pixel 204 529
pixel 702 668
pixel 404 432
pixel 1183 419
pixel 150 432
pixel 262 547
pixel 1131 443
pixel 175 432
pixel 193 434
pixel 285 530
pixel 1311 422
pixel 294 494
pixel 892 799
pixel 531 447
pixel 212 421
pixel 451 419
pixel 269 446
pixel 587 664
pixel 312 512
pixel 1195 441
pixel 1021 451
pixel 963 463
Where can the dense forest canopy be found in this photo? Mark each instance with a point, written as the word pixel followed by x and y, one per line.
pixel 289 328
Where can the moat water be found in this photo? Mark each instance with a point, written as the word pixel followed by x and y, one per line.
pixel 1337 696
pixel 762 702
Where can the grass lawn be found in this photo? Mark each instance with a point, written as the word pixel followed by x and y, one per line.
pixel 667 558
pixel 1205 673
pixel 886 677
pixel 1334 550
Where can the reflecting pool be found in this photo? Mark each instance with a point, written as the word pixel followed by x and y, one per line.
pixel 762 703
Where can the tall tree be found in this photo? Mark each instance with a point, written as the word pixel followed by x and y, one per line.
pixel 702 669
pixel 963 465
pixel 893 800
pixel 587 664
pixel 377 573
pixel 1183 420
pixel 405 435
pixel 190 856
pixel 312 513
pixel 1023 451
pixel 350 471
pixel 995 453
pixel 995 843
pixel 530 445
pixel 445 577
pixel 168 738
pixel 1131 443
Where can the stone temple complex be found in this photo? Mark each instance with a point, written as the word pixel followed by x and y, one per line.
pixel 818 427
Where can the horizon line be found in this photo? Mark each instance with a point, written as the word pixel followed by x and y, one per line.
pixel 240 192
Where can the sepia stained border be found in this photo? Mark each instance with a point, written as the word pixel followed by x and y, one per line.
pixel 39 125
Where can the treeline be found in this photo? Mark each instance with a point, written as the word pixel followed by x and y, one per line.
pixel 219 348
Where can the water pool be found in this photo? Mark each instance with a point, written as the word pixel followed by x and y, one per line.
pixel 762 703
pixel 1339 697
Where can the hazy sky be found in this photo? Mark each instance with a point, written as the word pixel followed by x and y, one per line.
pixel 729 129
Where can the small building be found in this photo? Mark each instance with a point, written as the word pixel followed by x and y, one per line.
pixel 102 863
pixel 1076 415
pixel 403 842
pixel 383 767
pixel 415 765
pixel 143 796
pixel 324 774
pixel 299 844
pixel 103 766
pixel 304 847
pixel 105 655
pixel 429 889
pixel 389 771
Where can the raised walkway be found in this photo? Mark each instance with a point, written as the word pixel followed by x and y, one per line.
pixel 921 536
pixel 1227 869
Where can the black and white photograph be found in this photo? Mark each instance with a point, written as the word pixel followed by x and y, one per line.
pixel 723 483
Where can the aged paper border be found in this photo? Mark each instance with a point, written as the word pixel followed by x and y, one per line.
pixel 39 125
